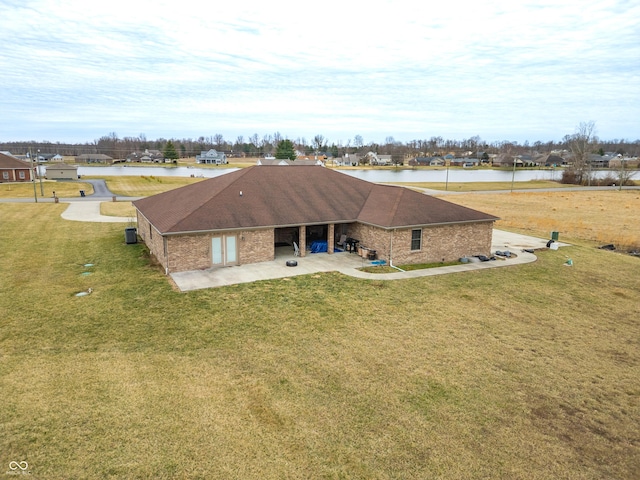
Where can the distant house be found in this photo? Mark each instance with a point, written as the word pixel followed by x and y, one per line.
pixel 457 161
pixel 243 216
pixel 597 161
pixel 506 160
pixel 300 161
pixel 375 159
pixel 273 161
pixel 414 162
pixel 426 162
pixel 14 170
pixel 48 157
pixel 62 172
pixel 148 156
pixel 94 158
pixel 212 157
pixel 549 160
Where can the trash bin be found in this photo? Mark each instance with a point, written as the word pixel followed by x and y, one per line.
pixel 372 255
pixel 82 193
pixel 130 235
pixel 555 236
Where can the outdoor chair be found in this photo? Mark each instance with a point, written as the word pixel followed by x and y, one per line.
pixel 342 243
pixel 296 250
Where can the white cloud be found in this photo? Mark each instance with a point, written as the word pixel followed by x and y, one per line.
pixel 456 69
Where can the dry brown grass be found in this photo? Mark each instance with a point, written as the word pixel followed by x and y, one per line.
pixel 118 209
pixel 528 372
pixel 146 185
pixel 62 189
pixel 601 217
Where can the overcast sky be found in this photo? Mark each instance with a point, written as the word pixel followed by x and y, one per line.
pixel 73 70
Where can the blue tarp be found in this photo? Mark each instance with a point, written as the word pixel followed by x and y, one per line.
pixel 318 247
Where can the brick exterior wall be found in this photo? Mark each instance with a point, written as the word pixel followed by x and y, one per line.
pixel 193 252
pixel 443 243
pixel 189 252
pixel 257 246
pixel 14 175
pixel 373 238
pixel 439 243
pixel 152 239
pixel 448 242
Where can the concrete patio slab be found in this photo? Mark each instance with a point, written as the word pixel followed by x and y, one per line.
pixel 348 264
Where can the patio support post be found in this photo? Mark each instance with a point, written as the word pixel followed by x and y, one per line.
pixel 330 237
pixel 302 236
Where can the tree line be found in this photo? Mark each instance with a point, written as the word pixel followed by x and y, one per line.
pixel 256 145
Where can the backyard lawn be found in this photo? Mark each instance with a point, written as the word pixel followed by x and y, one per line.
pixel 527 372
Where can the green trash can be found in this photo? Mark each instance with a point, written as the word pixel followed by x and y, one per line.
pixel 555 236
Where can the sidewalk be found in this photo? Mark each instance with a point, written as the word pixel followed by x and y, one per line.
pixel 89 211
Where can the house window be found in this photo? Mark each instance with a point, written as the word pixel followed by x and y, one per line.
pixel 21 175
pixel 416 239
pixel 5 175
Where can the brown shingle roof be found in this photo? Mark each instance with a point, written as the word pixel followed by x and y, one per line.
pixel 297 195
pixel 7 161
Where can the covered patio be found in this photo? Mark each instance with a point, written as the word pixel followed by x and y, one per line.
pixel 349 264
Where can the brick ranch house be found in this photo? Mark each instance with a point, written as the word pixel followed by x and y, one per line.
pixel 14 170
pixel 241 217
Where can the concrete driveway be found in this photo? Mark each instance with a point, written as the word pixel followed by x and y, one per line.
pixel 348 264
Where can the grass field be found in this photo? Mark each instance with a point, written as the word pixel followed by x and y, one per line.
pixel 529 372
pixel 145 185
pixel 599 217
pixel 484 186
pixel 62 189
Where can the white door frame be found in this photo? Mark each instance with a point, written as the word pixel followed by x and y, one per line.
pixel 224 250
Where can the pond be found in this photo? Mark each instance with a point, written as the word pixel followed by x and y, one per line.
pixel 371 175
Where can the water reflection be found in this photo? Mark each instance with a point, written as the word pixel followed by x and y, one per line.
pixel 371 175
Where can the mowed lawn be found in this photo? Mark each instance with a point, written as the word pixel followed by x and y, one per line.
pixel 526 372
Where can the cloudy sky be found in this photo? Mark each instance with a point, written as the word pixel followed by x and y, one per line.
pixel 73 70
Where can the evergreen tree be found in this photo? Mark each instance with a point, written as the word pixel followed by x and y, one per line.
pixel 170 151
pixel 285 150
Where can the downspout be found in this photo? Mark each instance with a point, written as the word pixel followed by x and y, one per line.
pixel 166 256
pixel 391 253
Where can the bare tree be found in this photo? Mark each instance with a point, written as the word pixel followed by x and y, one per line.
pixel 218 141
pixel 255 141
pixel 623 173
pixel 582 144
pixel 319 143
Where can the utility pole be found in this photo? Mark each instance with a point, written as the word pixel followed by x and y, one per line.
pixel 33 180
pixel 40 175
pixel 446 183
